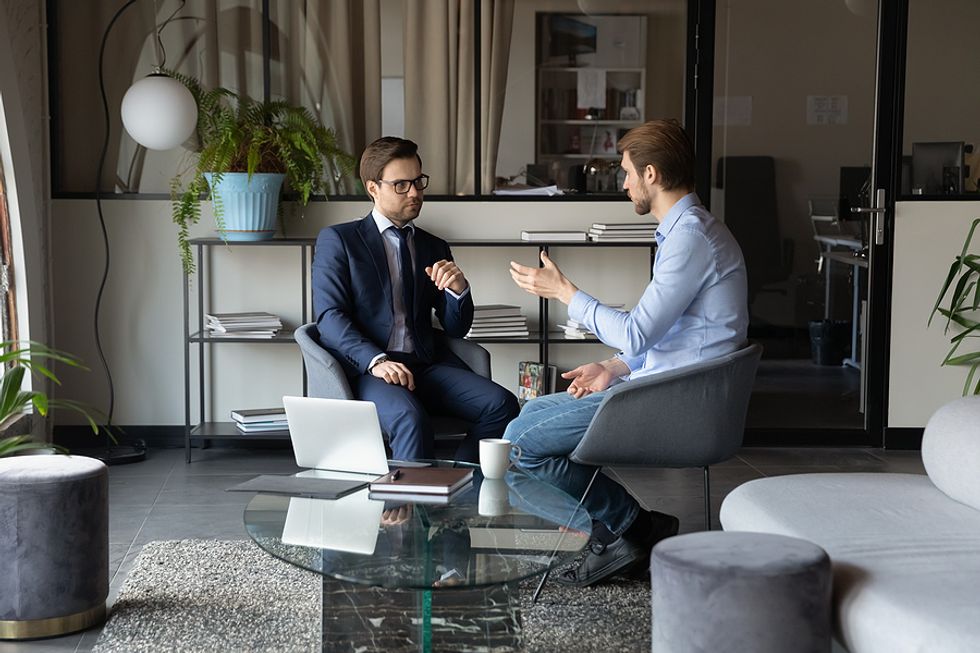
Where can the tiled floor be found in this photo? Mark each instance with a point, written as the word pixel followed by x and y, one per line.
pixel 164 498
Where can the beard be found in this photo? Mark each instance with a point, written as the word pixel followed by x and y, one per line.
pixel 641 202
pixel 406 212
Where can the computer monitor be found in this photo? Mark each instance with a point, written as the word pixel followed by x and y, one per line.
pixel 937 168
pixel 569 37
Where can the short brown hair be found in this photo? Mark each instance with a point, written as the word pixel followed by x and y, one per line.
pixel 664 145
pixel 382 152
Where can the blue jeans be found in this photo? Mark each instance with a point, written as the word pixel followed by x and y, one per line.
pixel 547 430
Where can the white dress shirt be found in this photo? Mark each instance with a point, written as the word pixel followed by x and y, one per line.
pixel 400 339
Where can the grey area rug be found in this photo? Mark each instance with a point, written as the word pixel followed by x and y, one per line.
pixel 215 596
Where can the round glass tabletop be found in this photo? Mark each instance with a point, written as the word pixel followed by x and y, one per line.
pixel 489 532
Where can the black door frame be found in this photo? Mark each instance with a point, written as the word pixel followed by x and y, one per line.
pixel 889 111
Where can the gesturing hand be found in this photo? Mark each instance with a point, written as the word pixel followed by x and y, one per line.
pixel 547 281
pixel 394 373
pixel 446 274
pixel 589 378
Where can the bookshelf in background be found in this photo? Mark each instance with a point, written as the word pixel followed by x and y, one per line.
pixel 258 328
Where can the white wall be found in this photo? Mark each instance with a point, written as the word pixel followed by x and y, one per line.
pixel 928 235
pixel 142 317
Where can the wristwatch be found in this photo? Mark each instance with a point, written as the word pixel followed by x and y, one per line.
pixel 383 358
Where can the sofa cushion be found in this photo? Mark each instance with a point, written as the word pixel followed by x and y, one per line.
pixel 906 558
pixel 951 450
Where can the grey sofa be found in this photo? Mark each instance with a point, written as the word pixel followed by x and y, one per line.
pixel 905 547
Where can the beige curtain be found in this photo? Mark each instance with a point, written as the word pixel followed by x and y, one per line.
pixel 331 62
pixel 439 50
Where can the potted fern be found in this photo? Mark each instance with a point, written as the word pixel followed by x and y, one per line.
pixel 16 360
pixel 246 150
pixel 963 309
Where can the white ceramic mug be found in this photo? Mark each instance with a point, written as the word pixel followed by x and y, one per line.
pixel 495 456
pixel 494 498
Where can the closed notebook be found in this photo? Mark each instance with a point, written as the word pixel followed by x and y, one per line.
pixel 317 488
pixel 423 480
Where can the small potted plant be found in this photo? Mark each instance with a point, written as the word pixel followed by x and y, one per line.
pixel 16 359
pixel 963 309
pixel 246 150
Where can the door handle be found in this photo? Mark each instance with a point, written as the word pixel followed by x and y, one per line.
pixel 874 209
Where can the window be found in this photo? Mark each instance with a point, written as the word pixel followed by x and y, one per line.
pixel 8 304
pixel 485 88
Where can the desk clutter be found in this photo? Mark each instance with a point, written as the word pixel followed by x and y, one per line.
pixel 243 325
pixel 498 321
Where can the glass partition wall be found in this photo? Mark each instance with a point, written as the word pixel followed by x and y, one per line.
pixel 792 144
pixel 510 96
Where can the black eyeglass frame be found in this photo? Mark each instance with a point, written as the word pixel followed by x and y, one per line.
pixel 421 183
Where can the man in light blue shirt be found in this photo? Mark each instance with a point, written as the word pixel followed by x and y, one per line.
pixel 695 308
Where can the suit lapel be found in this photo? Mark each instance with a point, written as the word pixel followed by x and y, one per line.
pixel 372 240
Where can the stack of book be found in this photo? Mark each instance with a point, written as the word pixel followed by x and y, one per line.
pixel 611 232
pixel 498 321
pixel 260 420
pixel 550 236
pixel 243 325
pixel 575 330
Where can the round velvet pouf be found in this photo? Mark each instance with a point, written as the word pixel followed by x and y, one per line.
pixel 54 545
pixel 740 593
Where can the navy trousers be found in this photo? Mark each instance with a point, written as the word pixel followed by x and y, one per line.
pixel 440 389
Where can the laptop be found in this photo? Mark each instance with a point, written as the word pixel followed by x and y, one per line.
pixel 339 436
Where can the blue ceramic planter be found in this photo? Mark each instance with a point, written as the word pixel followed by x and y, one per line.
pixel 249 206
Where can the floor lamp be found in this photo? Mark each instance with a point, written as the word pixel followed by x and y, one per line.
pixel 159 113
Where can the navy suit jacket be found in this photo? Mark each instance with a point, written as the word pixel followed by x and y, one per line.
pixel 352 295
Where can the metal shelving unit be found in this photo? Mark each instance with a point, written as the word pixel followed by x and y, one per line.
pixel 543 337
pixel 206 428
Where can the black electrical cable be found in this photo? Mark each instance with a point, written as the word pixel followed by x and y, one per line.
pixel 138 451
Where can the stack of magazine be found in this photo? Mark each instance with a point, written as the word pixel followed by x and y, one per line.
pixel 260 420
pixel 498 321
pixel 243 325
pixel 611 232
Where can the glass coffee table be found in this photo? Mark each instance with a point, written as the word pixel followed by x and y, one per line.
pixel 404 575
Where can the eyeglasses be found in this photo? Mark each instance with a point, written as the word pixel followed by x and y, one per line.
pixel 402 186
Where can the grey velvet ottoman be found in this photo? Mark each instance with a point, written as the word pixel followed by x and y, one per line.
pixel 54 545
pixel 740 593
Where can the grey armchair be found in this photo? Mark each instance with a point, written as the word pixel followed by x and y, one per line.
pixel 325 377
pixel 693 416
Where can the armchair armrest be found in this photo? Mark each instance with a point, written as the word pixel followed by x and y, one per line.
pixel 324 376
pixel 688 417
pixel 474 355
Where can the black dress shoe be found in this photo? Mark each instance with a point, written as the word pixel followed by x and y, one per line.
pixel 661 526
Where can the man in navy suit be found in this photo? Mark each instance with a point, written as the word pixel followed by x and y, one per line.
pixel 376 282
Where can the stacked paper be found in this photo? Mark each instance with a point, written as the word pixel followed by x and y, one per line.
pixel 606 232
pixel 575 330
pixel 243 325
pixel 498 321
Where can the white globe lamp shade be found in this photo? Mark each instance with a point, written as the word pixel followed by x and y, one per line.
pixel 159 112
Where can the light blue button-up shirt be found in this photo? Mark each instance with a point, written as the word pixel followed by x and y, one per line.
pixel 695 307
pixel 400 338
